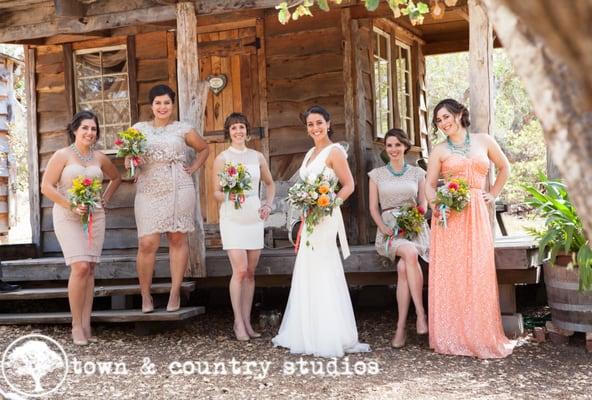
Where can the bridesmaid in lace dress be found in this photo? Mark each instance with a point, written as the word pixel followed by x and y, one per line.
pixel 464 311
pixel 165 194
pixel 66 164
pixel 242 230
pixel 395 185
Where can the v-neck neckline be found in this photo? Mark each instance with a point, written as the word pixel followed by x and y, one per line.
pixel 309 162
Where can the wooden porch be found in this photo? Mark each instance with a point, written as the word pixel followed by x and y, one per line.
pixel 516 257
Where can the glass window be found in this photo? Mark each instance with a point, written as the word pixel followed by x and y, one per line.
pixel 404 87
pixel 383 88
pixel 102 86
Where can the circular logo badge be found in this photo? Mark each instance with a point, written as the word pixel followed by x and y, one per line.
pixel 34 365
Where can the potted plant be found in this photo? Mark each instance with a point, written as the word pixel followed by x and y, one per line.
pixel 567 254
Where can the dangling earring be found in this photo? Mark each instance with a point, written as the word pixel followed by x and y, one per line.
pixel 248 138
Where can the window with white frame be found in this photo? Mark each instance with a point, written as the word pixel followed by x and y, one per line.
pixel 383 88
pixel 102 86
pixel 404 87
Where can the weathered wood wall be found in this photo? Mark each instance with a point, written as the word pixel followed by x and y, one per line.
pixel 153 54
pixel 304 67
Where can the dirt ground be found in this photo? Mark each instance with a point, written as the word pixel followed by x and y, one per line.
pixel 534 371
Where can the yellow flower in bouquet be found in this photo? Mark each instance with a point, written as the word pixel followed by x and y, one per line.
pixel 131 142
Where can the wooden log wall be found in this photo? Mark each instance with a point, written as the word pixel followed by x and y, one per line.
pixel 304 67
pixel 155 63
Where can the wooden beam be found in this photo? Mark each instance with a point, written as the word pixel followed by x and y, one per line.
pixel 69 87
pixel 192 98
pixel 33 155
pixel 262 74
pixel 481 79
pixel 132 72
pixel 69 8
pixel 87 24
pixel 113 20
pixel 480 69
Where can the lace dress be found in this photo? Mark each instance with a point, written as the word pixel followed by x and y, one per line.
pixel 242 228
pixel 165 194
pixel 393 193
pixel 66 223
pixel 464 311
pixel 319 317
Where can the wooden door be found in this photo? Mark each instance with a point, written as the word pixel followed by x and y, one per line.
pixel 234 54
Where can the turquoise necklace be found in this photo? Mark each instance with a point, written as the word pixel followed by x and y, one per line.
pixel 398 173
pixel 461 149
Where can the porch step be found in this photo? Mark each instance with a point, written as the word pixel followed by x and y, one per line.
pixel 100 291
pixel 102 316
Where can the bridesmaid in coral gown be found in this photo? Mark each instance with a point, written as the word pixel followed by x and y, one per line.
pixel 464 312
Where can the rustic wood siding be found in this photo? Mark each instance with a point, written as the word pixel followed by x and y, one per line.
pixel 153 56
pixel 304 67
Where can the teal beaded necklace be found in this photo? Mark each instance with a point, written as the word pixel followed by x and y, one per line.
pixel 398 173
pixel 461 149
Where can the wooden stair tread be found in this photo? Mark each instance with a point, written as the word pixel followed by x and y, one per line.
pixel 102 316
pixel 100 291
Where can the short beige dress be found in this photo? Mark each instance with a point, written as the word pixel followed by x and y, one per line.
pixel 67 225
pixel 165 194
pixel 395 192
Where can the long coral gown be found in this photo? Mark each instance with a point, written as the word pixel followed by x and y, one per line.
pixel 464 312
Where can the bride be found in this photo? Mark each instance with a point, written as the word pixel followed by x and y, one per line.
pixel 319 317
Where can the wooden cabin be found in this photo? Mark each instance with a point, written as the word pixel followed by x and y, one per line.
pixel 366 68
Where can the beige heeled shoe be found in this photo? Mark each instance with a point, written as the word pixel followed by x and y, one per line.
pixel 149 308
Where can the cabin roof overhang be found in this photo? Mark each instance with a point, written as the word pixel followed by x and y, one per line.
pixel 54 21
pixel 28 21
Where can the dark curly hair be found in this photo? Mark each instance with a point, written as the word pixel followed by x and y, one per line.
pixel 318 110
pixel 235 118
pixel 161 90
pixel 453 107
pixel 401 136
pixel 80 116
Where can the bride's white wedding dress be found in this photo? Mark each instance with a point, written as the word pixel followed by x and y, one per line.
pixel 319 317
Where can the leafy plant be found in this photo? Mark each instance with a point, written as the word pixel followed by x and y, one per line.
pixel 415 11
pixel 564 231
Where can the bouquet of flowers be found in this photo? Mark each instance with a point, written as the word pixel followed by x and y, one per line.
pixel 131 142
pixel 316 198
pixel 408 224
pixel 236 180
pixel 86 191
pixel 454 195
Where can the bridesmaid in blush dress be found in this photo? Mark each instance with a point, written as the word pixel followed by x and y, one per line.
pixel 242 229
pixel 464 312
pixel 79 159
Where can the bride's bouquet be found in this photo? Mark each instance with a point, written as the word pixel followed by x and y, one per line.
pixel 408 223
pixel 454 195
pixel 235 180
pixel 131 142
pixel 86 191
pixel 315 198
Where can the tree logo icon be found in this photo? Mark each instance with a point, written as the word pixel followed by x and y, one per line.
pixel 34 365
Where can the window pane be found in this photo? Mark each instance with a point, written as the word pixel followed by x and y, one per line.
pixel 110 134
pixel 87 65
pixel 114 61
pixel 115 87
pixel 89 89
pixel 116 112
pixel 96 108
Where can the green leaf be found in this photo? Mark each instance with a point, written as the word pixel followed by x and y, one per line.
pixel 323 5
pixel 423 8
pixel 372 5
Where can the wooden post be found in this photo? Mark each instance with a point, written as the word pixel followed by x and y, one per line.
pixel 33 154
pixel 192 94
pixel 480 69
